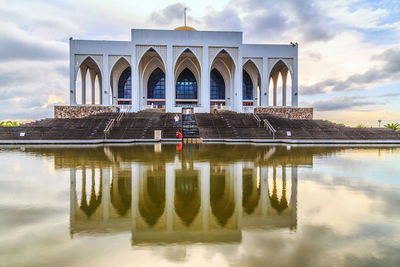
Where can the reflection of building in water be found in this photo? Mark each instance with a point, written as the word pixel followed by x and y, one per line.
pixel 175 202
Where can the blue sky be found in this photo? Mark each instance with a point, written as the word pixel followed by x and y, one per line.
pixel 349 50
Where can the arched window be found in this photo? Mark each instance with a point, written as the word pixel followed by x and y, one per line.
pixel 186 85
pixel 247 86
pixel 156 85
pixel 125 87
pixel 217 85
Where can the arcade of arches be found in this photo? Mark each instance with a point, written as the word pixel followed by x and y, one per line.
pixel 152 81
pixel 189 195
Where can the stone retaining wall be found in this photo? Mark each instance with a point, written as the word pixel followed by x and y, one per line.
pixel 287 112
pixel 63 112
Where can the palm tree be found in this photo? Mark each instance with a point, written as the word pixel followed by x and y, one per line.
pixel 2 124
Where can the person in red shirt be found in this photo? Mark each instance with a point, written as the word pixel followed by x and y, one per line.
pixel 179 135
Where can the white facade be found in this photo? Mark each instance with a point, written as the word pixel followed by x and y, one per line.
pixel 103 63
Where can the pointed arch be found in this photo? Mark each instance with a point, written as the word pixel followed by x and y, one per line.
pixel 278 74
pixel 224 62
pixel 151 49
pixel 187 197
pixel 186 88
pixel 150 60
pixel 185 50
pixel 223 50
pixel 87 67
pixel 255 75
pixel 147 72
pixel 118 68
pixel 278 61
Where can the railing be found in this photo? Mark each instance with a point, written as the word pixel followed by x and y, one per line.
pixel 271 129
pixel 258 120
pixel 108 128
pixel 115 121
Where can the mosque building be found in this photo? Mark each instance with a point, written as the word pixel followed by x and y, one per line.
pixel 171 69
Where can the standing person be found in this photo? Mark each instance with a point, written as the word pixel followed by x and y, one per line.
pixel 187 112
pixel 176 120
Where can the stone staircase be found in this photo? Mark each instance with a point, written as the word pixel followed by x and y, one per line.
pixel 221 125
pixel 190 131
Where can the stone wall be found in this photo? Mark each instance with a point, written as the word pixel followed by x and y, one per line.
pixel 63 112
pixel 287 112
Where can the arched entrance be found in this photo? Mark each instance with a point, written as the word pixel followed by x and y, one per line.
pixel 251 81
pixel 88 69
pixel 121 83
pixel 187 79
pixel 222 80
pixel 152 80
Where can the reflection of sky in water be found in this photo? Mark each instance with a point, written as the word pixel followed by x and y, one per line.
pixel 348 208
pixel 380 166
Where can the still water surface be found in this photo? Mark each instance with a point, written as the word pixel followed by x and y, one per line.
pixel 199 205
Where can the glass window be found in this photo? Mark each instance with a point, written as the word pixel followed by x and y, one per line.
pixel 125 84
pixel 186 85
pixel 156 85
pixel 247 86
pixel 217 85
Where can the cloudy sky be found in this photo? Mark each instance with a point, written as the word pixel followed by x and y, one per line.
pixel 349 50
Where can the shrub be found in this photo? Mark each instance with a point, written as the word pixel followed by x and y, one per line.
pixel 361 126
pixel 10 123
pixel 394 126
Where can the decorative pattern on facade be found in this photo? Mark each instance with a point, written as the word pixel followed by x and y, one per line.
pixel 113 59
pixel 80 58
pixel 258 61
pixel 197 51
pixel 213 51
pixel 287 112
pixel 161 50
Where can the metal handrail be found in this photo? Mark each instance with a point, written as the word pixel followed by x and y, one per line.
pixel 271 129
pixel 108 128
pixel 258 120
pixel 116 121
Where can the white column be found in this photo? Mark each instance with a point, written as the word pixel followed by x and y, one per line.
pixel 293 197
pixel 238 175
pixel 264 190
pixel 136 102
pixel 134 77
pixel 83 75
pixel 170 193
pixel 135 193
pixel 275 96
pixel 72 78
pixel 93 82
pixel 169 81
pixel 105 176
pixel 295 97
pixel 284 78
pixel 105 80
pixel 72 195
pixel 205 194
pixel 238 84
pixel 205 82
pixel 265 84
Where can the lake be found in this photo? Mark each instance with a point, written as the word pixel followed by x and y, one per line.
pixel 199 205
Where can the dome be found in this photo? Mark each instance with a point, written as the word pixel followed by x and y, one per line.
pixel 185 28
